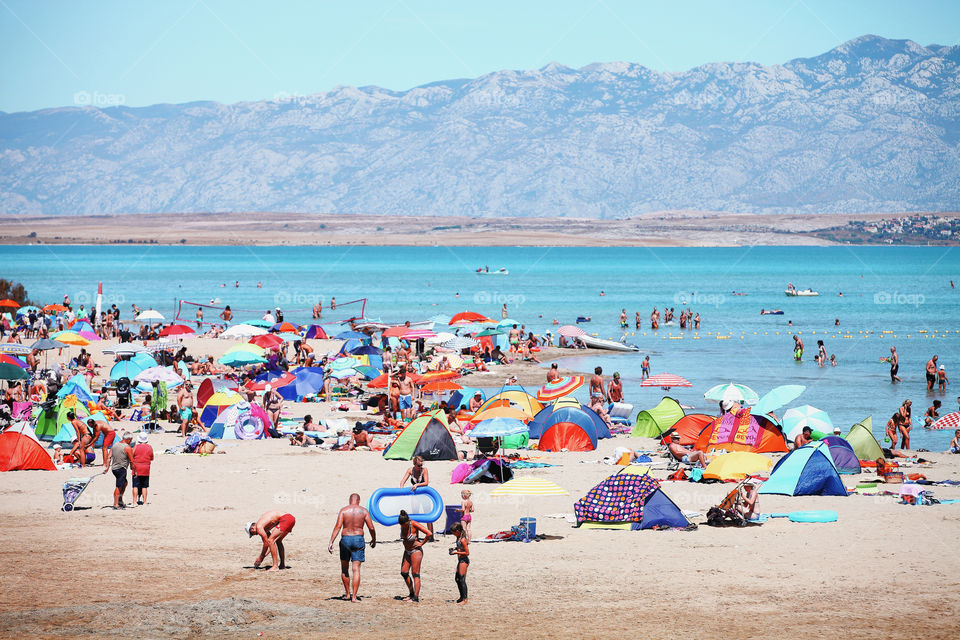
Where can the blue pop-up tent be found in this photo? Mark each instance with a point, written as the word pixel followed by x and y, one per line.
pixel 807 471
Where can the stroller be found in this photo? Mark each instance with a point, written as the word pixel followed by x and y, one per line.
pixel 72 489
pixel 123 393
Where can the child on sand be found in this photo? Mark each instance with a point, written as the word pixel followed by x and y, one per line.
pixel 955 443
pixel 466 508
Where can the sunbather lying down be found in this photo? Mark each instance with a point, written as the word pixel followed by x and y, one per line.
pixel 686 455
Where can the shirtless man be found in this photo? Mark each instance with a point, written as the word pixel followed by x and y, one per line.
pixel 623 318
pixel 553 373
pixel 686 455
pixel 79 451
pixel 185 405
pixel 272 527
pixel 804 437
pixel 405 390
pixel 931 372
pixel 894 361
pixel 350 523
pixel 109 436
pixel 475 402
pixel 615 388
pixel 645 368
pixel 797 348
pixel 654 318
pixel 596 384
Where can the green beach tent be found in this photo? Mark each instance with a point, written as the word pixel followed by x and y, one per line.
pixel 861 439
pixel 652 423
pixel 49 421
pixel 426 436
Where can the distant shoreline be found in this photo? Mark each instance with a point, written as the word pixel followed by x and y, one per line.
pixel 660 229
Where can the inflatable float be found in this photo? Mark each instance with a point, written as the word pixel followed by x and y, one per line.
pixel 808 516
pixel 422 505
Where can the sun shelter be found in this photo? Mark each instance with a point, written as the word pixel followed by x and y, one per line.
pixel 210 386
pixel 690 426
pixel 67 433
pixel 652 423
pixel 315 331
pixel 426 436
pixel 843 456
pixel 568 428
pixel 628 501
pixel 77 386
pixel 514 396
pixel 861 439
pixel 807 471
pixel 21 450
pixel 741 431
pixel 216 404
pixel 736 466
pixel 489 470
pixel 565 412
pixel 241 421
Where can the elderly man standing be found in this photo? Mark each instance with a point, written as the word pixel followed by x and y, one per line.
pixel 121 455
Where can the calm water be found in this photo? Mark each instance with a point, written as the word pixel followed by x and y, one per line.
pixel 903 290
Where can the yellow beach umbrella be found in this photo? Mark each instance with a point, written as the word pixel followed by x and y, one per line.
pixel 246 346
pixel 529 487
pixel 736 466
pixel 71 337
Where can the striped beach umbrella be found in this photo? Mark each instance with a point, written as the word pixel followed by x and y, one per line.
pixel 70 337
pixel 459 342
pixel 665 381
pixel 15 349
pixel 417 334
pixel 571 331
pixel 6 358
pixel 529 487
pixel 949 421
pixel 560 387
pixel 796 418
pixel 249 348
pixel 730 391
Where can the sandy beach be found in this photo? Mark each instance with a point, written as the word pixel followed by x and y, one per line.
pixel 665 228
pixel 181 566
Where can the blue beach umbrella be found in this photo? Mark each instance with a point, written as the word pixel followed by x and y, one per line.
pixel 240 358
pixel 126 369
pixel 498 428
pixel 346 335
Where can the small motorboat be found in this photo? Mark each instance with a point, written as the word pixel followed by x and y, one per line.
pixel 498 272
pixel 801 293
pixel 583 319
pixel 600 343
pixel 771 312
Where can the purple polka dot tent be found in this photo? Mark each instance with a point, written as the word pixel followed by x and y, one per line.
pixel 628 500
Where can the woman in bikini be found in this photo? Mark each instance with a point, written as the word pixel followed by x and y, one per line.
pixel 419 477
pixel 905 423
pixel 462 551
pixel 412 553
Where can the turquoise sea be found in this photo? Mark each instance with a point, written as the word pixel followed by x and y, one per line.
pixel 905 291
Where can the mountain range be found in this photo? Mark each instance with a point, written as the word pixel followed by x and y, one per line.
pixel 870 126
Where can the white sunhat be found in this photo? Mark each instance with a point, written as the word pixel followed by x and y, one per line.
pixel 142 437
pixel 248 528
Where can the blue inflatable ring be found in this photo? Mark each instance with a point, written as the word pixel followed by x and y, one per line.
pixel 422 505
pixel 813 516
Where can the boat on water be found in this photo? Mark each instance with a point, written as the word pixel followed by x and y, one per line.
pixel 801 293
pixel 600 343
pixel 771 312
pixel 498 272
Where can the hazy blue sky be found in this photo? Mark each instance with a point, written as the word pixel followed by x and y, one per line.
pixel 139 52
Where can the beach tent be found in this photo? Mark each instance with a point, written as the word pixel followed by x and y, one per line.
pixel 462 396
pixel 67 434
pixel 20 450
pixel 861 439
pixel 843 456
pixel 315 331
pixel 807 471
pixel 568 428
pixel 690 426
pixel 736 466
pixel 628 501
pixel 566 412
pixel 210 386
pixel 216 404
pixel 426 436
pixel 241 421
pixel 516 397
pixel 652 423
pixel 741 432
pixel 77 386
pixel 49 420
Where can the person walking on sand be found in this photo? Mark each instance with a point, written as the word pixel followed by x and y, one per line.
pixel 412 553
pixel 142 457
pixel 185 406
pixel 894 361
pixel 931 370
pixel 272 527
pixel 462 551
pixel 121 456
pixel 350 523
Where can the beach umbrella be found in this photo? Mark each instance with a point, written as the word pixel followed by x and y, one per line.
pixel 395 332
pixel 241 358
pixel 365 350
pixel 571 331
pixel 164 345
pixel 246 346
pixel 344 373
pixel 529 487
pixel 367 371
pixel 144 359
pixel 243 331
pixel 59 308
pixel 80 325
pixel 468 317
pixel 126 369
pixel 289 337
pixel 306 383
pixel 346 335
pixel 285 327
pixel 12 372
pixel 433 376
pixel 176 330
pixel 500 411
pixel 267 341
pixel 507 322
pixel 150 315
pixel 343 362
pixel 419 334
pixel 125 349
pixel 458 343
pixel 730 391
pixel 736 466
pixel 89 335
pixel 440 386
pixel 777 397
pixel 16 349
pixel 158 374
pixel 70 337
pixel 27 309
pixel 9 359
pixel 259 322
pixel 949 421
pixel 796 418
pixel 273 377
pixel 665 381
pixel 560 387
pixel 498 428
pixel 490 332
pixel 13 304
pixel 440 337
